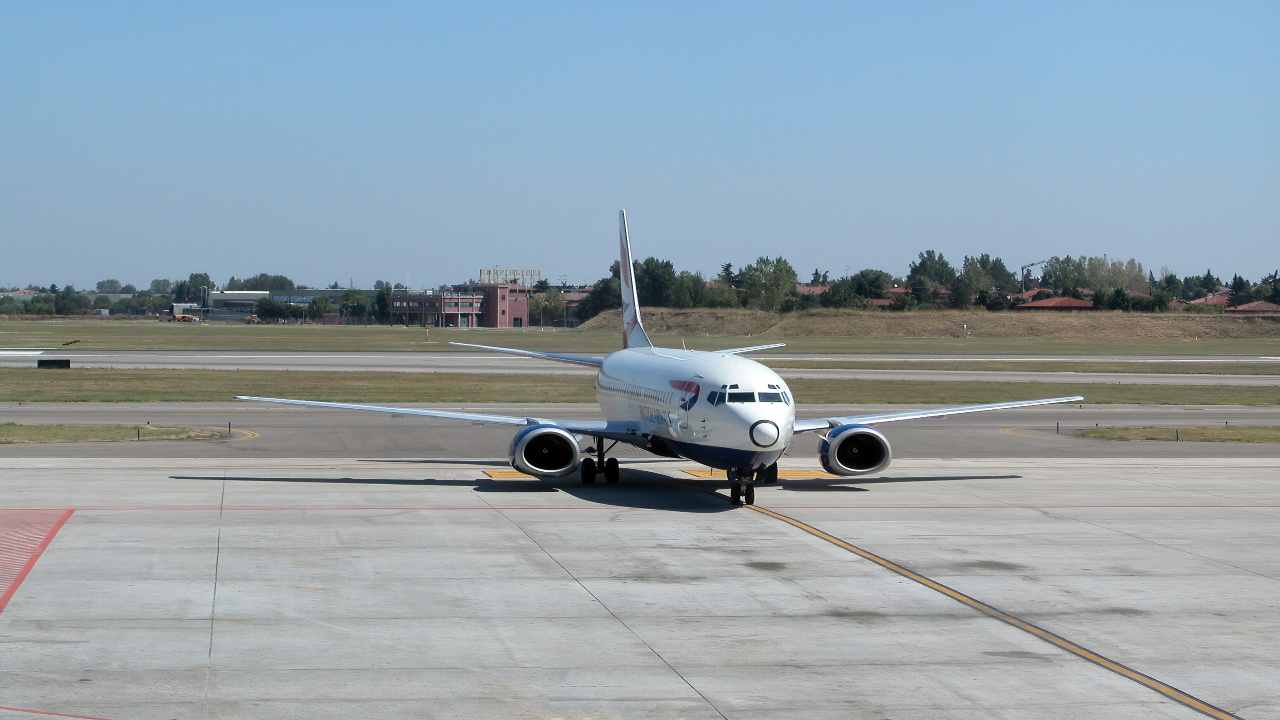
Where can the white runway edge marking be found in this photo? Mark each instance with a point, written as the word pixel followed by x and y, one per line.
pixel 1181 697
pixel 20 353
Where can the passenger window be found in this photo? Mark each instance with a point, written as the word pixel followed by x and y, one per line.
pixel 742 397
pixel 770 397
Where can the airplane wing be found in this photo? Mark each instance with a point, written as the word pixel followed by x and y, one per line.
pixel 575 358
pixel 812 424
pixel 753 348
pixel 581 427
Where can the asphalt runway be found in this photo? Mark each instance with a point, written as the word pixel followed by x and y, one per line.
pixel 273 431
pixel 337 588
pixel 914 367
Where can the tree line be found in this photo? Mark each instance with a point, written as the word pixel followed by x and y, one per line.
pixel 932 281
pixel 770 284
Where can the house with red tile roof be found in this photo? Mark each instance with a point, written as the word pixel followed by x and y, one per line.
pixel 1257 307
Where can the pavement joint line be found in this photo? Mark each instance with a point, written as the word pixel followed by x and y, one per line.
pixel 1168 691
pixel 213 601
pixel 609 610
pixel 49 713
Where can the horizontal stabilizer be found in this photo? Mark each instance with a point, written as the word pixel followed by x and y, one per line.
pixel 753 348
pixel 574 358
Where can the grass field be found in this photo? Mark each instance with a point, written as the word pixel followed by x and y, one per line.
pixel 13 433
pixel 1173 368
pixel 1197 433
pixel 866 332
pixel 102 385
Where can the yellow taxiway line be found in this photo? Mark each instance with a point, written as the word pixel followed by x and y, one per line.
pixel 505 474
pixel 1170 692
pixel 1084 653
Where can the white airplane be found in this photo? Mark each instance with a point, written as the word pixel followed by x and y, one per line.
pixel 716 408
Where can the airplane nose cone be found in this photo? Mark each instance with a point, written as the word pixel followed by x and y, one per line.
pixel 764 433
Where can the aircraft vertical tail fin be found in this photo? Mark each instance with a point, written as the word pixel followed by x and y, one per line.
pixel 633 334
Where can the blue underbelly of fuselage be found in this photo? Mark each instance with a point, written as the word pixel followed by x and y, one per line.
pixel 723 458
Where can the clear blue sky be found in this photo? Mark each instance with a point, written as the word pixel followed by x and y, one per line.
pixel 417 142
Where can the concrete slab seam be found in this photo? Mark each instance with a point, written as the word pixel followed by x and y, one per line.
pixel 1179 696
pixel 49 713
pixel 609 610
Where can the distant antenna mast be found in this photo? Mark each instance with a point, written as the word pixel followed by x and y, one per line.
pixel 1026 273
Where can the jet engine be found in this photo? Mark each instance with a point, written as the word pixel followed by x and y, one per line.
pixel 545 450
pixel 854 450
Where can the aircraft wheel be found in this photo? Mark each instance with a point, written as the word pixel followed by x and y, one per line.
pixel 750 493
pixel 588 471
pixel 735 493
pixel 773 474
pixel 612 473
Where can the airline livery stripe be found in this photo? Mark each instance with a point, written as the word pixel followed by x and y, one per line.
pixel 782 474
pixel 1048 636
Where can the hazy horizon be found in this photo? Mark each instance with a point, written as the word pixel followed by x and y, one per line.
pixel 416 144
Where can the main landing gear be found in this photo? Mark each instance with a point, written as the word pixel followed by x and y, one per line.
pixel 591 466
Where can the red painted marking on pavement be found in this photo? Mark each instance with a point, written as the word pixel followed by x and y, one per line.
pixel 50 713
pixel 24 536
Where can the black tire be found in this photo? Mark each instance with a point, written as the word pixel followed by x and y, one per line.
pixel 735 493
pixel 750 493
pixel 588 471
pixel 612 473
pixel 773 474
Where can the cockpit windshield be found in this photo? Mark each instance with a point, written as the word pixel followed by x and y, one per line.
pixel 719 397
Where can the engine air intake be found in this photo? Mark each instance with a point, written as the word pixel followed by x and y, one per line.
pixel 854 450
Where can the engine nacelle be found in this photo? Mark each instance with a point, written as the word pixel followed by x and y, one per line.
pixel 854 450
pixel 545 450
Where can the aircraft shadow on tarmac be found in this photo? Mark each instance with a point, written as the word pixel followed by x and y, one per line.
pixel 495 462
pixel 852 485
pixel 639 489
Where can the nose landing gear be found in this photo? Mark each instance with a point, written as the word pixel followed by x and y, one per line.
pixel 741 491
pixel 767 475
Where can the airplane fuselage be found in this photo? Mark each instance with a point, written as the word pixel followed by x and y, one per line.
pixel 718 409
